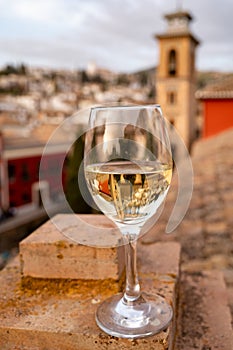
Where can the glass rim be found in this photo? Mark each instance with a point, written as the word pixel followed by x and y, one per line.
pixel 148 106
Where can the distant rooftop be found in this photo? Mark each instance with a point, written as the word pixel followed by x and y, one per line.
pixel 23 141
pixel 223 88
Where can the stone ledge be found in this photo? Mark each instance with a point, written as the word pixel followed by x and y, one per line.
pixel 40 319
pixel 204 320
pixel 48 253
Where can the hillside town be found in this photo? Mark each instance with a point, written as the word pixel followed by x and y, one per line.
pixel 30 95
pixel 34 102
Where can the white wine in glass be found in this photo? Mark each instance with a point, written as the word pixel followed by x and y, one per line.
pixel 128 170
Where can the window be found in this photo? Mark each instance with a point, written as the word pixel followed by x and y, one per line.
pixel 171 98
pixel 25 197
pixel 172 123
pixel 172 63
pixel 11 172
pixel 25 172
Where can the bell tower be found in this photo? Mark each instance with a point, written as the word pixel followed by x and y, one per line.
pixel 175 79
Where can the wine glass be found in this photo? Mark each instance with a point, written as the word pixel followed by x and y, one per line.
pixel 128 170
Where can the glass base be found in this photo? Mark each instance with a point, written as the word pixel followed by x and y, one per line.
pixel 140 318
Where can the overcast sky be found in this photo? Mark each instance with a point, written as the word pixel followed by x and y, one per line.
pixel 115 34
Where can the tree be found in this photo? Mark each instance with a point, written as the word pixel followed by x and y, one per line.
pixel 74 173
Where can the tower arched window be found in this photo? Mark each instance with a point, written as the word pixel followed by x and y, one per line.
pixel 172 63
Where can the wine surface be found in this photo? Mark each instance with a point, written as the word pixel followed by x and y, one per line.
pixel 126 191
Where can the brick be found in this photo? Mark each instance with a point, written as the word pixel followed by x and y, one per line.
pixel 48 253
pixel 204 320
pixel 162 259
pixel 216 228
pixel 62 318
pixel 228 276
pixel 230 301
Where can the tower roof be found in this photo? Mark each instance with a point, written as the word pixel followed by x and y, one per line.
pixel 178 14
pixel 178 26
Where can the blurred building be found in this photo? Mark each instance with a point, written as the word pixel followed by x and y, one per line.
pixel 20 158
pixel 217 106
pixel 4 199
pixel 175 78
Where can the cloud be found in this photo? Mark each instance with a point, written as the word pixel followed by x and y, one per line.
pixel 28 10
pixel 116 34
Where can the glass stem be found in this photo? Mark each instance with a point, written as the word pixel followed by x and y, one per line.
pixel 132 289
